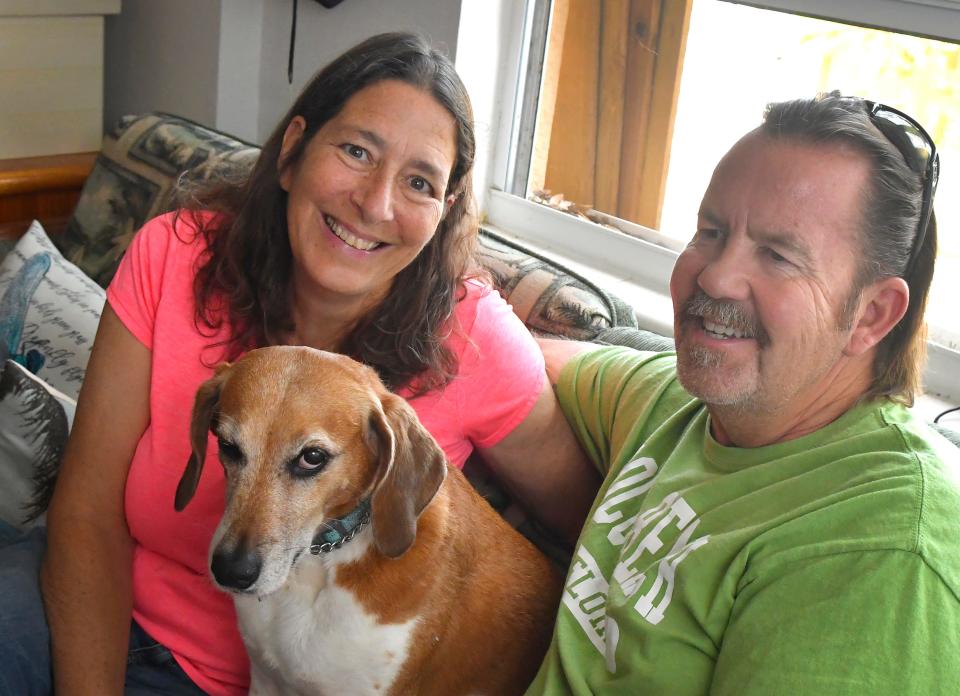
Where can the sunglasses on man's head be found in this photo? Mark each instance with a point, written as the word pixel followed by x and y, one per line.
pixel 920 153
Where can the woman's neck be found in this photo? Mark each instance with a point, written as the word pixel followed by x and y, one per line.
pixel 322 319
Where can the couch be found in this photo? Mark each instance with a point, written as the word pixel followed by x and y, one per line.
pixel 47 327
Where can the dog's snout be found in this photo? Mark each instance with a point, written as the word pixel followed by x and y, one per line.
pixel 237 567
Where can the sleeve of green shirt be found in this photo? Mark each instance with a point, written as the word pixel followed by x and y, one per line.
pixel 609 396
pixel 870 622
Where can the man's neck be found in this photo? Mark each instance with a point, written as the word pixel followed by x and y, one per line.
pixel 817 407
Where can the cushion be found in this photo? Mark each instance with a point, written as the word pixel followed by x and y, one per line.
pixel 952 435
pixel 638 339
pixel 549 298
pixel 49 312
pixel 487 486
pixel 34 421
pixel 133 180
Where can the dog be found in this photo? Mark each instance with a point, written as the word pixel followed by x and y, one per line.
pixel 358 560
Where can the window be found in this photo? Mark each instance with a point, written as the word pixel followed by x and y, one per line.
pixel 618 123
pixel 793 56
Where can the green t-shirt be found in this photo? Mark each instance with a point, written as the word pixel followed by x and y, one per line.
pixel 829 564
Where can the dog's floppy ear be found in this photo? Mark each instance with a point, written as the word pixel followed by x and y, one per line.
pixel 411 467
pixel 204 406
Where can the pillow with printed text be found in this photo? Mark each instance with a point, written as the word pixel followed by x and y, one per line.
pixel 49 312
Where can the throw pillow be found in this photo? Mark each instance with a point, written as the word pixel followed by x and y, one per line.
pixel 5 247
pixel 548 298
pixel 133 179
pixel 49 312
pixel 34 421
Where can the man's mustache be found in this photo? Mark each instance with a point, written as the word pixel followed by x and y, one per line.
pixel 725 312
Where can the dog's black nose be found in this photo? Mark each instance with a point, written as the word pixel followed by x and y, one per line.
pixel 237 568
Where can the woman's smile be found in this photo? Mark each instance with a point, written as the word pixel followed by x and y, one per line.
pixel 348 237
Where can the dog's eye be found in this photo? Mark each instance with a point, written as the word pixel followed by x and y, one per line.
pixel 311 461
pixel 228 450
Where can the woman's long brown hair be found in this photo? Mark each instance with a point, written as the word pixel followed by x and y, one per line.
pixel 244 278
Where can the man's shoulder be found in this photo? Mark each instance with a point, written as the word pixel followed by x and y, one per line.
pixel 631 381
pixel 875 480
pixel 912 480
pixel 890 430
pixel 918 435
pixel 938 467
pixel 935 459
pixel 625 364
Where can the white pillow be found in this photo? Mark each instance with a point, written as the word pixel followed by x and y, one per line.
pixel 34 421
pixel 49 312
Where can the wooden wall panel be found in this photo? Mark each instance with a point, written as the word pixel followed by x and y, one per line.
pixel 547 104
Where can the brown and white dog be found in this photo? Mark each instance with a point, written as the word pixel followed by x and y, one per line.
pixel 435 595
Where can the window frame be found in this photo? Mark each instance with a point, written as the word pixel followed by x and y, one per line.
pixel 637 268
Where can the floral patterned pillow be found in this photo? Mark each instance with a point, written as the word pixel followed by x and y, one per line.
pixel 548 298
pixel 132 180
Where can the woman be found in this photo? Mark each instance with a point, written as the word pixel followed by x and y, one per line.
pixel 353 233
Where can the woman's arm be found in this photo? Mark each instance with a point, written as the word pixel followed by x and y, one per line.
pixel 86 574
pixel 543 466
pixel 557 352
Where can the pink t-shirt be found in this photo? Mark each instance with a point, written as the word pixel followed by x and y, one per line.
pixel 499 378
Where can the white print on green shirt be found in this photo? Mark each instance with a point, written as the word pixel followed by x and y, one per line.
pixel 587 589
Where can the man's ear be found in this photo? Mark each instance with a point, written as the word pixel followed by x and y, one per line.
pixel 882 306
pixel 291 136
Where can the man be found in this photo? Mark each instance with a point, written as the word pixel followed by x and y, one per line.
pixel 774 520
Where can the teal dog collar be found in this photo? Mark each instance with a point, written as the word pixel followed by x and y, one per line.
pixel 336 533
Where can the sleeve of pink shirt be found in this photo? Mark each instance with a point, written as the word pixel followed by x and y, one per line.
pixel 134 292
pixel 501 372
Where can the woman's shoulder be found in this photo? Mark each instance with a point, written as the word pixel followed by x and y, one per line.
pixel 184 224
pixel 475 289
pixel 478 298
pixel 179 233
pixel 481 310
pixel 486 325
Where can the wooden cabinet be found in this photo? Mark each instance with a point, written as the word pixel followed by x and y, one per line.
pixel 45 188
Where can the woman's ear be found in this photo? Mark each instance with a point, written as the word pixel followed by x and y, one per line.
pixel 447 204
pixel 291 136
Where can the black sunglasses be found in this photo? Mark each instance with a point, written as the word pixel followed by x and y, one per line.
pixel 920 153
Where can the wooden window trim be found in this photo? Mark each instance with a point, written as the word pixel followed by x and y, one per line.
pixel 608 103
